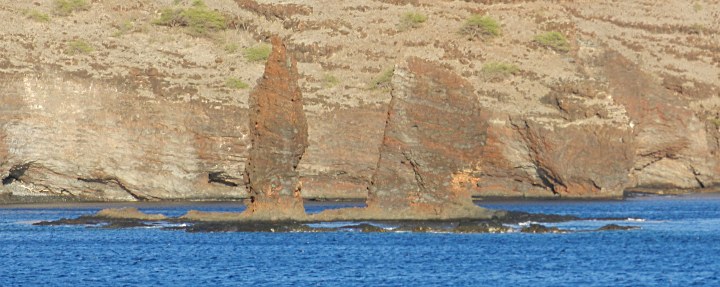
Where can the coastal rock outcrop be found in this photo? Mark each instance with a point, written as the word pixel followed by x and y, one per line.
pixel 581 159
pixel 674 148
pixel 434 132
pixel 278 135
pixel 67 137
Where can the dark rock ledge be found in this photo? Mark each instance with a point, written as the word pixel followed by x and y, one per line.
pixel 132 218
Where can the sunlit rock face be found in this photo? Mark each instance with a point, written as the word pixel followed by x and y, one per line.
pixel 434 132
pixel 279 137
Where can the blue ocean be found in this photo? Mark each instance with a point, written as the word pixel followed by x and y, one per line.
pixel 678 245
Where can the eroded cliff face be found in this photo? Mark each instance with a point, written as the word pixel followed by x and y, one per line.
pixel 146 113
pixel 672 147
pixel 87 139
pixel 435 131
pixel 278 136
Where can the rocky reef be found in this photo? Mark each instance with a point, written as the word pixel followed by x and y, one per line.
pixel 105 103
pixel 508 222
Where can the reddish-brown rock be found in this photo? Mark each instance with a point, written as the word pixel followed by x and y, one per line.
pixel 434 132
pixel 674 146
pixel 581 160
pixel 278 133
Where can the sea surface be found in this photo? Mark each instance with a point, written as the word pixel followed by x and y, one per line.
pixel 678 245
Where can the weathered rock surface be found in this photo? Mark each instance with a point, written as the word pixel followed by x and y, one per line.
pixel 435 131
pixel 129 213
pixel 146 112
pixel 539 228
pixel 615 227
pixel 589 150
pixel 95 140
pixel 672 142
pixel 278 135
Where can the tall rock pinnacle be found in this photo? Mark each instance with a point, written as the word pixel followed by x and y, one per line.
pixel 434 132
pixel 278 131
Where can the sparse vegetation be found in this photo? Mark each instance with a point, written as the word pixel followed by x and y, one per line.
pixel 716 122
pixel 383 80
pixel 236 84
pixel 37 16
pixel 231 48
pixel 696 29
pixel 259 53
pixel 499 70
pixel 75 47
pixel 478 26
pixel 124 28
pixel 553 40
pixel 330 81
pixel 198 18
pixel 697 7
pixel 67 7
pixel 411 20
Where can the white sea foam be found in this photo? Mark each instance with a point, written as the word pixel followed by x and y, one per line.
pixel 165 224
pixel 635 219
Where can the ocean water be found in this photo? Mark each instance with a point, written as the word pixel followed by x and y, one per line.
pixel 678 245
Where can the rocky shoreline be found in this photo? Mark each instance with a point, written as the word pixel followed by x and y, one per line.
pixel 118 218
pixel 8 199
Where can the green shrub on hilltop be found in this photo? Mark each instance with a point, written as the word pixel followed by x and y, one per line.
pixel 259 53
pixel 67 7
pixel 37 16
pixel 330 81
pixel 231 48
pixel 124 27
pixel 411 20
pixel 75 47
pixel 553 40
pixel 236 84
pixel 697 7
pixel 478 26
pixel 498 70
pixel 383 80
pixel 198 18
pixel 716 122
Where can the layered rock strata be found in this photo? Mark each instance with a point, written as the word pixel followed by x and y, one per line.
pixel 65 136
pixel 434 132
pixel 278 135
pixel 103 105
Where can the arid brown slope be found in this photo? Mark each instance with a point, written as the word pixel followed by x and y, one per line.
pixel 278 134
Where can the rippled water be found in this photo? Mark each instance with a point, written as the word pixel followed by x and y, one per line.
pixel 678 245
